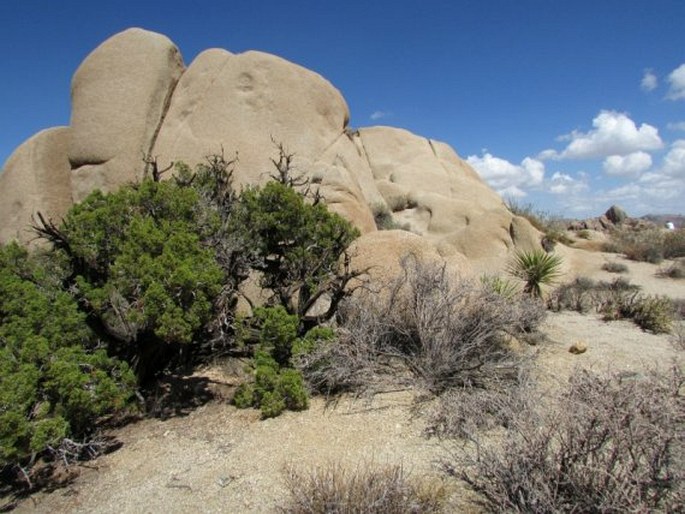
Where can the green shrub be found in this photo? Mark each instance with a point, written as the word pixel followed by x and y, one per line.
pixel 140 267
pixel 274 388
pixel 277 386
pixel 536 268
pixel 297 247
pixel 501 286
pixel 54 383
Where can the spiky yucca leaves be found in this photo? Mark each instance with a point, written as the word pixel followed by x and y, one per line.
pixel 536 268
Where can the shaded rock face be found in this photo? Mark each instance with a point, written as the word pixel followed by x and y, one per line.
pixel 36 177
pixel 132 96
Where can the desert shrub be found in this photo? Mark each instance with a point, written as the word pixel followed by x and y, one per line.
pixel 425 326
pixel 674 244
pixel 274 388
pixel 645 244
pixel 615 267
pixel 276 385
pixel 536 268
pixel 653 313
pixel 465 412
pixel 615 300
pixel 384 220
pixel 386 490
pixel 609 444
pixel 140 268
pixel 501 286
pixel 584 234
pixel 383 217
pixel 674 270
pixel 297 247
pixel 577 296
pixel 54 381
pixel 401 202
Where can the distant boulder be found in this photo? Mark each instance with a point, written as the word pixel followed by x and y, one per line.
pixel 616 215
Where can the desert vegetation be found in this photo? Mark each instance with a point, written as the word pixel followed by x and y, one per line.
pixel 552 227
pixel 616 300
pixel 647 244
pixel 368 488
pixel 608 443
pixel 148 279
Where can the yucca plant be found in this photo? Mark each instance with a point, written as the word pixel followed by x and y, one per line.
pixel 536 268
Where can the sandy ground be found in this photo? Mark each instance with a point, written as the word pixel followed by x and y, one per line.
pixel 219 459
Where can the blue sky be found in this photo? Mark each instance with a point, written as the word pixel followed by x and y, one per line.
pixel 569 105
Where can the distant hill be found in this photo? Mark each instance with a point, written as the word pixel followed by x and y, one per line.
pixel 661 219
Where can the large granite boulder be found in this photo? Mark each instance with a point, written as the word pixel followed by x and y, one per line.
pixel 132 97
pixel 119 96
pixel 246 103
pixel 36 177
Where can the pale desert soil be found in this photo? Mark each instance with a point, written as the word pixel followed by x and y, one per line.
pixel 219 459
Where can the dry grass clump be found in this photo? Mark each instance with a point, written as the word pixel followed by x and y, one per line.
pixel 608 444
pixel 384 220
pixel 464 413
pixel 615 267
pixel 678 336
pixel 425 328
pixel 674 270
pixel 367 489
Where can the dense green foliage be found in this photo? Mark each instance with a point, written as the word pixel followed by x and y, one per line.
pixel 297 247
pixel 143 277
pixel 276 386
pixel 54 383
pixel 142 267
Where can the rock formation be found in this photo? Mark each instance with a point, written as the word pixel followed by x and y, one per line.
pixel 132 96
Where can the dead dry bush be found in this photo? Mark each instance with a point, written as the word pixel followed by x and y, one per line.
pixel 608 444
pixel 425 327
pixel 367 489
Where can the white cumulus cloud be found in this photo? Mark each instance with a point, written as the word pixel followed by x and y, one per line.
pixel 630 165
pixel 377 115
pixel 613 133
pixel 674 161
pixel 649 81
pixel 676 80
pixel 565 184
pixel 507 178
